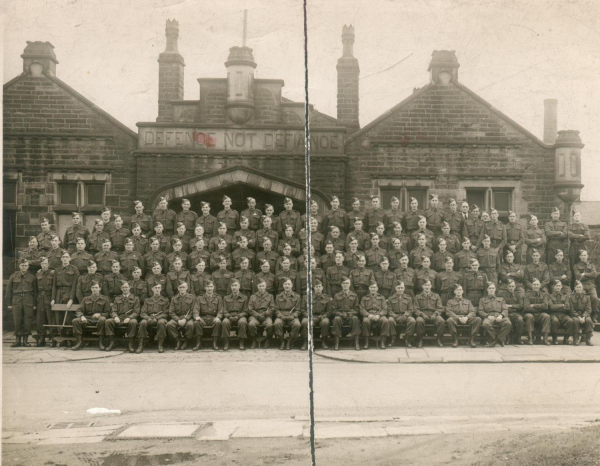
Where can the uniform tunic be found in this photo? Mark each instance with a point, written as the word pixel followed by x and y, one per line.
pixel 250 235
pixel 260 310
pixel 335 274
pixel 111 287
pixel 195 257
pixel 535 306
pixel 209 308
pixel 475 284
pixel 429 239
pixel 264 233
pixel 84 285
pixel 167 217
pixel 444 284
pixel 22 294
pixel 429 309
pixel 140 244
pixel 409 277
pixel 287 311
pixel 95 241
pixel 452 243
pixel 45 240
pixel 560 271
pixel 416 256
pixel 129 261
pixel 335 218
pixel 174 279
pixel 345 308
pixel 400 313
pixel 124 308
pixel 292 218
pixel 589 279
pixel 209 223
pixel 153 280
pixel 185 243
pixel 254 216
pixel 164 242
pixel 435 217
pixel 246 279
pixel 579 305
pixel 373 310
pixel 154 314
pixel 472 229
pixel 150 258
pixel 411 220
pixel 72 234
pixel 90 306
pixel 44 315
pixel 372 218
pixel 189 220
pixel 183 308
pixel 456 221
pixel 269 280
pixel 321 314
pixel 54 256
pixel 392 216
pixel 139 288
pixel 497 233
pixel 270 256
pixel 514 272
pixel 33 256
pixel 556 234
pixel 198 283
pixel 438 260
pixel 461 307
pixel 374 257
pixel 105 260
pixel 539 271
pixel 231 218
pixel 491 307
pixel 559 313
pixel 515 236
pixel 535 239
pixel 354 215
pixel 462 260
pixel 422 275
pixel 282 276
pixel 578 234
pixel 515 302
pixel 118 237
pixel 235 312
pixel 64 284
pixel 144 221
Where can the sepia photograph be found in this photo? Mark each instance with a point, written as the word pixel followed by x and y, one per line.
pixel 301 232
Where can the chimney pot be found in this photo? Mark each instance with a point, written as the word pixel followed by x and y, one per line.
pixel 550 120
pixel 348 73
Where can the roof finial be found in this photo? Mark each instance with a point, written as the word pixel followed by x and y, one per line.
pixel 245 28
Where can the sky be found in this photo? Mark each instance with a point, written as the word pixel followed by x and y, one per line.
pixel 513 53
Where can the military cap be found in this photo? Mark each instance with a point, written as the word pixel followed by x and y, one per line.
pixel 75 214
pixel 535 280
pixel 65 253
pixel 427 280
pixel 559 251
pixel 204 204
pixel 579 253
pixel 403 256
pixel 268 205
pixel 182 282
pixel 154 240
pixel 106 209
pixel 226 198
pixel 373 235
pixel 345 279
pixel 180 224
pixel 445 225
pixel 424 256
pixel 117 216
pixel 413 199
pixel 313 202
pixel 222 224
pixel 44 259
pixel 244 259
pixel 178 241
pixel 317 282
pixel 575 211
pixel 473 261
pixel 260 281
pixel 44 220
pixel 511 212
pixel 452 200
pixel 250 199
pixel 394 199
pixel 106 240
pixel 422 217
pixel 338 251
pixel 123 283
pixel 384 259
pixel 243 218
pixel 493 210
pixel 91 263
pixel 534 250
pixel 434 196
pixel 128 241
pixel 23 260
pixel 556 282
pixel 162 198
pixel 155 263
pixel 531 217
pixel 287 200
pixel 353 239
pixel 355 200
pixel 510 280
pixel 209 283
pixel 421 235
pixel 136 203
pixel 556 209
pixel 578 282
pixel 234 280
pixel 136 269
pixel 31 238
pixel 372 283
pixel 486 237
pixel 158 224
pixel 135 225
pixel 334 198
pixel 200 261
pixel 264 262
pixel 466 240
pixel 474 207
pixel 358 220
pixel 157 284
pixel 449 259
pixel 288 280
pixel 183 201
pixel 99 221
pixel 95 282
pixel 115 262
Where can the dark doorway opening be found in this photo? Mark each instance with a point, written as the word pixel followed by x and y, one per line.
pixel 238 194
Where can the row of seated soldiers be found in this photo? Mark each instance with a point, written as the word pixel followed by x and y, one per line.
pixel 185 316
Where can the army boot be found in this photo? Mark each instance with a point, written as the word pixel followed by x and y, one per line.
pixel 178 345
pixel 267 342
pixel 472 343
pixel 184 345
pixel 111 343
pixel 252 343
pixel 101 343
pixel 392 341
pixel 140 347
pixel 304 345
pixel 382 343
pixel 216 343
pixel 454 341
pixel 226 344
pixel 408 340
pixel 554 339
pixel 281 343
pixel 242 347
pixel 545 339
pixel 324 343
pixel 356 343
pixel 530 338
pixel 566 340
pixel 366 345
pixel 41 342
pixel 161 342
pixel 78 343
pixel 131 348
pixel 420 341
pixel 198 344
pixel 289 343
pixel 576 340
pixel 25 342
pixel 439 341
pixel 337 343
pixel 588 339
pixel 17 343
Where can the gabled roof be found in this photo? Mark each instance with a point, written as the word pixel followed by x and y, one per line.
pixel 466 90
pixel 81 98
pixel 334 120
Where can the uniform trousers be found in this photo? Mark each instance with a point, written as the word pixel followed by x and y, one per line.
pixel 473 322
pixel 404 324
pixel 518 324
pixel 79 326
pixel 380 326
pixel 241 324
pixel 44 314
pixel 131 326
pixel 253 324
pixel 438 321
pixel 339 322
pixel 474 296
pixel 588 325
pixel 206 321
pixel 159 327
pixel 291 321
pixel 23 315
pixel 539 319
pixel 63 294
pixel 189 329
pixel 499 330
pixel 559 319
pixel 318 321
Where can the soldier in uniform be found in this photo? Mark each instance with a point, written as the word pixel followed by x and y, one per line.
pixel 268 277
pixel 455 219
pixel 289 216
pixel 244 232
pixel 164 242
pixel 488 260
pixel 422 231
pixel 439 258
pixel 375 215
pixel 511 271
pixel 585 272
pixel 181 317
pixel 260 310
pixel 165 216
pixel 472 227
pixel 328 259
pixel 207 221
pixel 559 269
pixel 345 309
pixel 109 225
pixel 222 235
pixel 559 315
pixel 228 216
pixel 65 282
pixel 235 313
pixel 208 311
pixel 111 287
pixel 139 287
pixel 462 259
pixel 335 217
pixel 396 253
pixel 373 309
pixel 45 236
pixel 157 277
pixel 429 310
pixel 199 234
pixel 199 254
pixel 445 282
pixel 84 282
pixel 287 311
pixel 579 233
pixel 452 242
pixel 44 314
pixel 314 213
pixel 288 238
pixel 399 235
pixel 285 273
pixel 175 277
pixel 352 255
pixel 385 278
pixel 556 234
pixel 400 309
pixel 434 215
pixel 182 237
pixel 130 259
pixel 245 276
pixel 317 239
pixel 94 310
pixel 515 237
pixel 412 216
pixel 140 241
pixel 474 283
pixel 199 278
pixel 266 232
pixel 275 224
pixel 384 241
pixel 267 254
pixel 406 275
pixel 375 254
pixel 424 274
pixel 355 214
pixel 580 308
pixel 393 216
pixel 177 254
pixel 33 255
pixel 97 238
pixel 187 217
pixel 461 311
pixel 142 219
pixel 154 255
pixel 335 274
pixel 361 278
pixel 119 235
pixel 105 258
pixel 154 314
pixel 514 302
pixel 535 305
pixel 321 314
pixel 496 230
pixel 125 310
pixel 21 296
pixel 494 313
pixel 76 230
pixel 535 239
pixel 536 270
pixel 253 214
pixel 55 253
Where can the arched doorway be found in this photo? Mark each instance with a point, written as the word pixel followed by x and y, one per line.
pixel 238 183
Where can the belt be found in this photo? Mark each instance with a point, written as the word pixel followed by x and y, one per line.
pixel 63 287
pixel 23 293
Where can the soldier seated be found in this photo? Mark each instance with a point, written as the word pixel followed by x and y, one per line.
pixel 208 312
pixel 260 310
pixel 535 306
pixel 373 309
pixel 429 311
pixel 345 309
pixel 580 308
pixel 321 314
pixel 559 315
pixel 154 314
pixel 235 311
pixel 94 310
pixel 494 312
pixel 401 307
pixel 181 317
pixel 287 310
pixel 461 311
pixel 125 311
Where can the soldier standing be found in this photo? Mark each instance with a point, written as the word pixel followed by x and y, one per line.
pixel 76 230
pixel 44 314
pixel 229 217
pixel 45 236
pixel 165 216
pixel 253 214
pixel 535 239
pixel 515 237
pixel 556 234
pixel 207 221
pixel 21 295
pixel 142 219
pixel 514 302
pixel 187 216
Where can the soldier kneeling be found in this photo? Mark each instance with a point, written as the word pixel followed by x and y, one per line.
pixel 94 310
pixel 125 310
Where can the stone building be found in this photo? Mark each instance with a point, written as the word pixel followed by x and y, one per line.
pixel 240 137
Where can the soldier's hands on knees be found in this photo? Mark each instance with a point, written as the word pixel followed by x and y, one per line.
pixel 117 320
pixel 83 319
pixel 217 320
pixel 96 316
pixel 197 319
pixel 181 322
pixel 499 319
pixel 126 321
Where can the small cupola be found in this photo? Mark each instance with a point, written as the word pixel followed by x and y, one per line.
pixel 443 66
pixel 39 58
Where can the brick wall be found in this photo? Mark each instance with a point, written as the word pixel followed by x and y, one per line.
pixel 347 91
pixel 170 84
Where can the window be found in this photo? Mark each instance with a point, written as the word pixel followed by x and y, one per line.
pixel 492 198
pixel 81 194
pixel 9 192
pixel 404 194
pixel 94 194
pixel 9 235
pixel 67 194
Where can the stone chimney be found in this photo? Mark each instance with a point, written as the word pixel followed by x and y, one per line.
pixel 347 85
pixel 550 120
pixel 170 73
pixel 39 58
pixel 443 66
